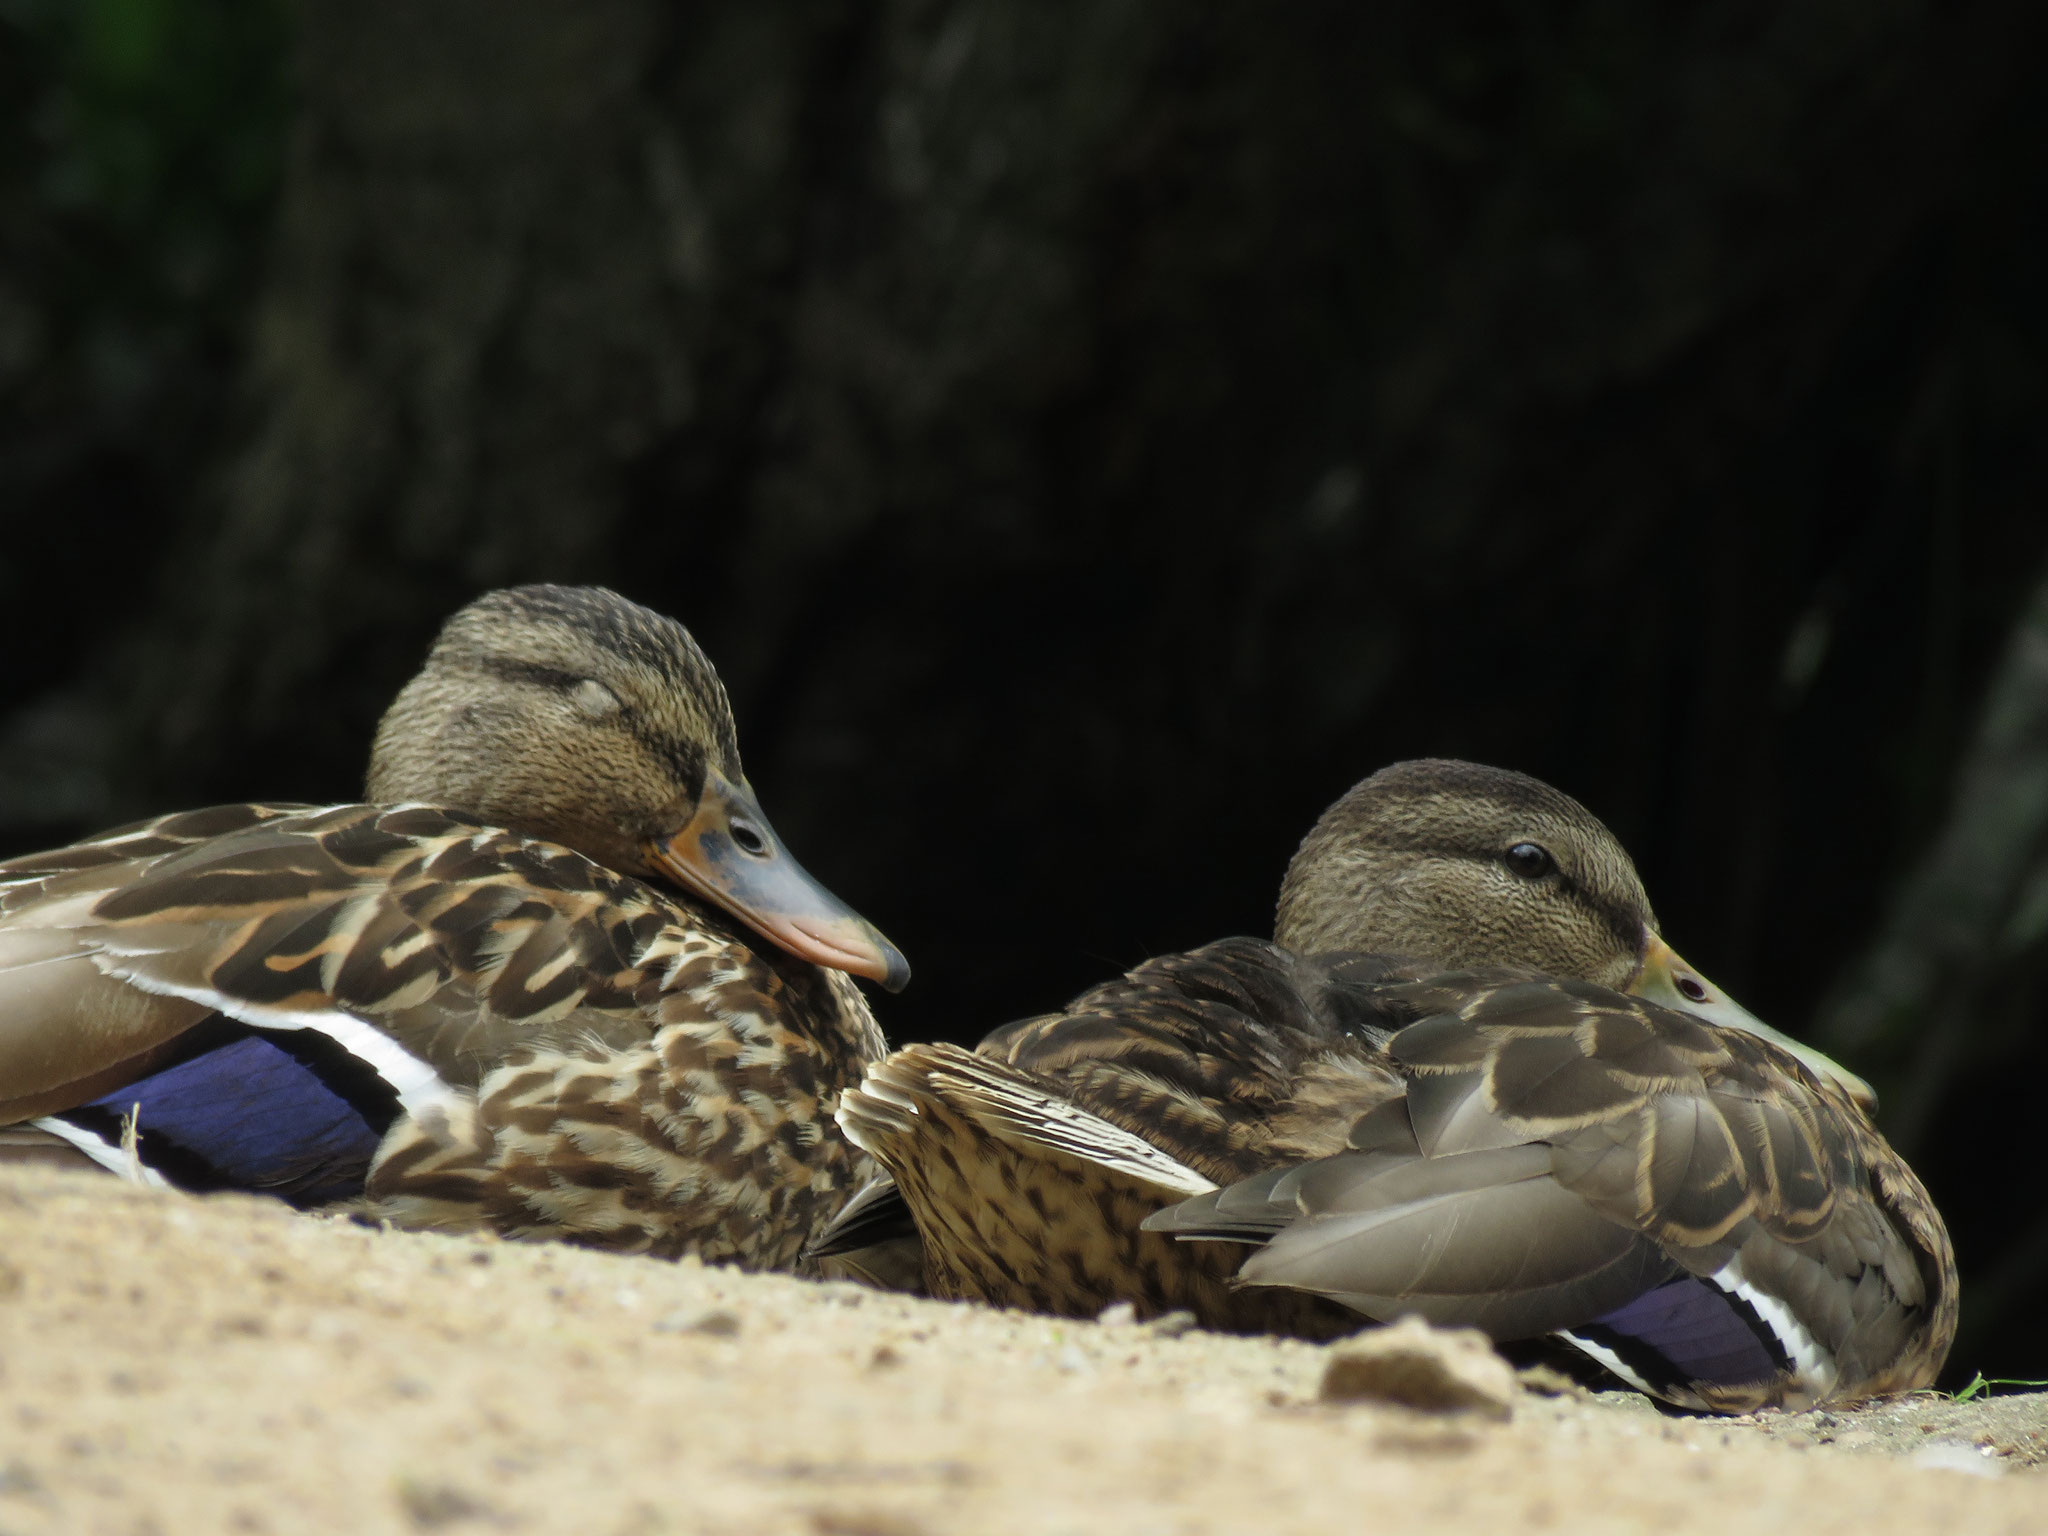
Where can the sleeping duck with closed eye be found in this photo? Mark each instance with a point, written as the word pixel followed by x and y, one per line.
pixel 556 977
pixel 1469 1081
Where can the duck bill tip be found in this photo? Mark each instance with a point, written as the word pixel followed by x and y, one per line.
pixel 760 882
pixel 849 944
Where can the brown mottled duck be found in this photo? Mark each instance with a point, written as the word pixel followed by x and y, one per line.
pixel 1470 1081
pixel 556 977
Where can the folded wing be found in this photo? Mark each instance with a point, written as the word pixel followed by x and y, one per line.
pixel 1688 1205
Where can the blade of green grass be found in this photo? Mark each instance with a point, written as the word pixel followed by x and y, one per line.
pixel 1980 1385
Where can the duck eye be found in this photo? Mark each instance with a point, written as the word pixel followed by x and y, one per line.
pixel 593 700
pixel 749 840
pixel 1532 861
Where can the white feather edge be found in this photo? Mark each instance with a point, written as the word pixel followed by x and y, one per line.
pixel 1614 1363
pixel 1020 1114
pixel 849 1127
pixel 873 1104
pixel 1813 1363
pixel 417 1085
pixel 109 1155
pixel 1014 1113
pixel 1814 1368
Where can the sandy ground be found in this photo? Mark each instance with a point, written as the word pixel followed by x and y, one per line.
pixel 178 1365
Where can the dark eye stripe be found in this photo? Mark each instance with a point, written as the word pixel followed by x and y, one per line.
pixel 530 672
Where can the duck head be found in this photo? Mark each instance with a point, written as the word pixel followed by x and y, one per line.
pixel 571 714
pixel 1477 866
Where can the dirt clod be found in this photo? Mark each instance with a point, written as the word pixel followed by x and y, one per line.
pixel 1438 1370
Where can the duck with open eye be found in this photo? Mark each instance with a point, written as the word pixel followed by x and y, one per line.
pixel 1469 1080
pixel 555 977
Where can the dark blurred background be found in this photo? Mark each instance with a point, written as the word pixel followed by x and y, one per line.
pixel 1088 435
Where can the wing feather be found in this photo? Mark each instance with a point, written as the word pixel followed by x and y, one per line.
pixel 1563 1145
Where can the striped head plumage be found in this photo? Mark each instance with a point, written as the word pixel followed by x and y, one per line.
pixel 573 715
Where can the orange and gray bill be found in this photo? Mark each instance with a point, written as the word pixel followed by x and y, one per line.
pixel 728 854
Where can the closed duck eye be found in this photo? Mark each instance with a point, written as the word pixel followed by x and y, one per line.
pixel 1532 861
pixel 593 700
